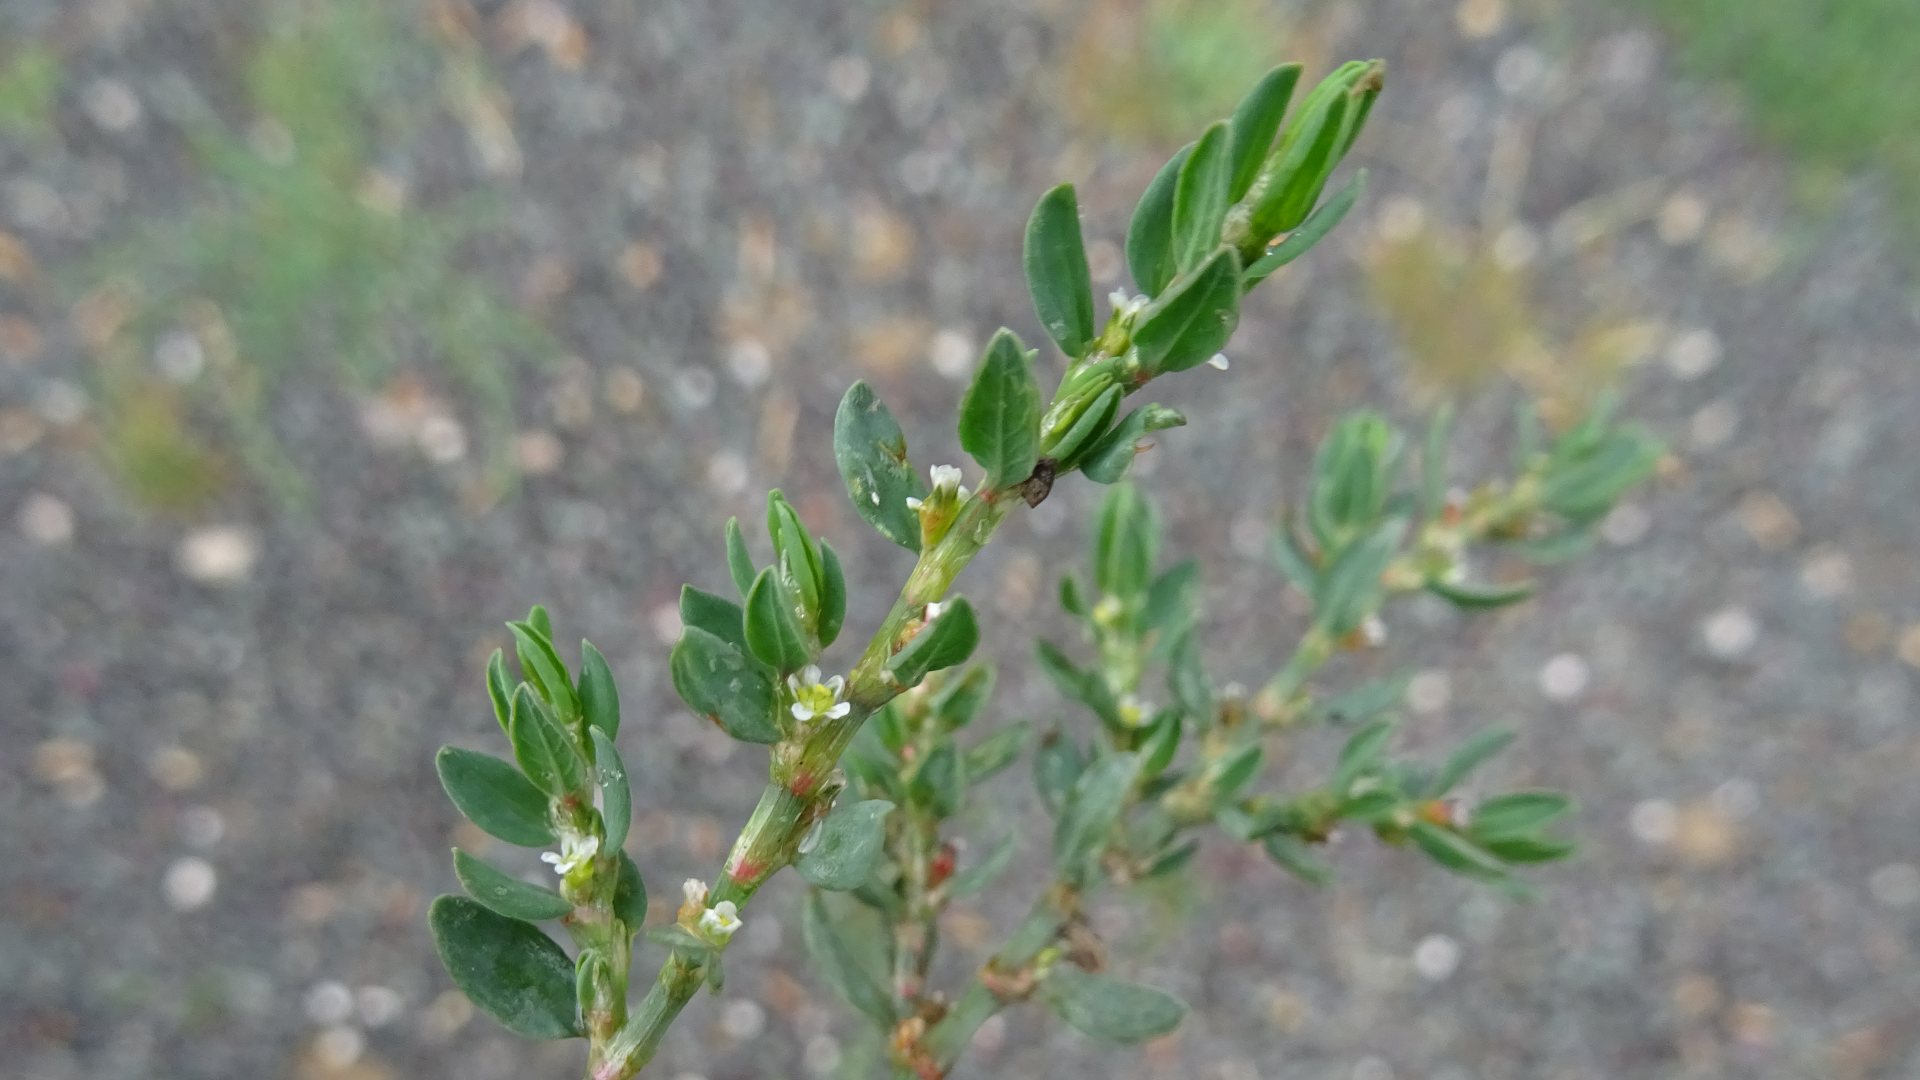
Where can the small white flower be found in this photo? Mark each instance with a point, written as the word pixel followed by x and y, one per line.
pixel 933 611
pixel 1125 306
pixel 913 503
pixel 575 852
pixel 1219 361
pixel 695 891
pixel 812 698
pixel 945 476
pixel 719 922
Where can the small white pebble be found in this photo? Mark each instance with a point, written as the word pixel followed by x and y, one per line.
pixel 328 1002
pixel 442 439
pixel 693 388
pixel 112 104
pixel 1564 678
pixel 1516 248
pixel 378 1006
pixel 180 356
pixel 1730 632
pixel 45 520
pixel 217 554
pixel 1693 353
pixel 848 77
pixel 190 883
pixel 1401 219
pixel 339 1046
pixel 951 354
pixel 1626 524
pixel 538 452
pixel 743 1018
pixel 1714 426
pixel 1429 691
pixel 1895 885
pixel 727 472
pixel 750 362
pixel 1436 957
pixel 1654 821
pixel 61 403
pixel 1517 69
pixel 1827 572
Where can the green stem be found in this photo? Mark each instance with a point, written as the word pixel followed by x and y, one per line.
pixel 945 1041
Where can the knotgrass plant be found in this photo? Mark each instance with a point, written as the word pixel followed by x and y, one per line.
pixel 869 769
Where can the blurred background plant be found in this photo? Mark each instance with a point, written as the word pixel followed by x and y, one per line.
pixel 305 255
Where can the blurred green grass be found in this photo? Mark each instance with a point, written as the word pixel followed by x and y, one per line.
pixel 298 254
pixel 1836 82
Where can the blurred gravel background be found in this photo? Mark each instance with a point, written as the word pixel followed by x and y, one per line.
pixel 221 820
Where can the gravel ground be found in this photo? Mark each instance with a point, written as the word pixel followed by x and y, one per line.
pixel 222 821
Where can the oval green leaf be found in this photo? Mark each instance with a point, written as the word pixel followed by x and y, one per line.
pixel 503 894
pixel 507 967
pixel 495 796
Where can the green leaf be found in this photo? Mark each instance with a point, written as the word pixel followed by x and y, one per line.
pixel 960 699
pixel 716 615
pixel 1056 767
pixel 1086 430
pixel 1350 590
pixel 1297 857
pixel 629 895
pixel 1191 322
pixel 1187 680
pixel 1456 852
pixel 1256 120
pixel 545 671
pixel 1363 702
pixel 1311 231
pixel 1092 809
pixel 500 688
pixel 715 972
pixel 833 595
pixel 542 624
pixel 1070 598
pixel 946 641
pixel 938 782
pixel 1162 740
pixel 1584 490
pixel 997 751
pixel 796 554
pixel 1170 609
pixel 599 697
pixel 1292 558
pixel 1531 849
pixel 1315 161
pixel 974 878
pixel 1361 753
pixel 1056 265
pixel 1478 597
pixel 1238 771
pixel 871 451
pixel 1150 233
pixel 1086 686
pixel 505 895
pixel 1433 462
pixel 1522 812
pixel 720 682
pixel 1200 197
pixel 739 563
pixel 1106 461
pixel 616 797
pixel 545 752
pixel 836 964
pixel 774 632
pixel 1470 755
pixel 1371 806
pixel 840 856
pixel 1000 416
pixel 1173 861
pixel 506 967
pixel 495 796
pixel 1126 543
pixel 1107 1009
